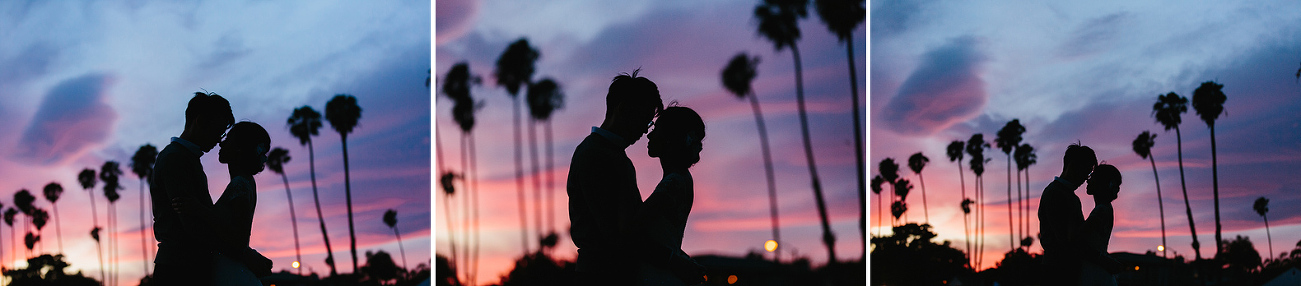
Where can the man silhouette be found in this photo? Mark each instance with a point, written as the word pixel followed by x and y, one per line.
pixel 602 189
pixel 1061 222
pixel 184 242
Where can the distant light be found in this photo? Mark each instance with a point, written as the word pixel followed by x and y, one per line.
pixel 1135 267
pixel 946 282
pixel 1160 248
pixel 706 278
pixel 771 245
pixel 296 265
pixel 731 279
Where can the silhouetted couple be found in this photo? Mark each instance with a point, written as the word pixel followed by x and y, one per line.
pixel 621 239
pixel 199 242
pixel 1075 249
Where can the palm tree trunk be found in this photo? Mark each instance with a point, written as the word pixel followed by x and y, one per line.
pixel 1159 203
pixel 347 193
pixel 1269 236
pixel 58 230
pixel 858 150
pixel 772 185
pixel 144 246
pixel 451 234
pixel 1215 183
pixel 962 182
pixel 465 203
pixel 1020 214
pixel 99 247
pixel 473 195
pixel 1010 236
pixel 981 180
pixel 519 182
pixel 1179 143
pixel 401 250
pixel 329 253
pixel 551 180
pixel 293 220
pixel 537 181
pixel 926 210
pixel 828 238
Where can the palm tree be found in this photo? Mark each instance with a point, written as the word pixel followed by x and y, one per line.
pixel 842 18
pixel 966 212
pixel 1024 157
pixel 515 70
pixel 1168 110
pixel 778 23
pixel 1208 101
pixel 39 218
pixel 447 181
pixel 9 220
pixel 737 76
pixel 889 170
pixel 87 180
pixel 976 148
pixel 142 164
pixel 342 112
pixel 110 173
pixel 52 191
pixel 276 162
pixel 544 98
pixel 1261 206
pixel 304 123
pixel 877 181
pixel 917 162
pixel 391 219
pixel 901 189
pixel 457 84
pixel 1143 147
pixel 25 202
pixel 955 153
pixel 1007 139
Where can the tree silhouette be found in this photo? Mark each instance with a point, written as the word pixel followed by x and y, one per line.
pixel 24 201
pixel 142 164
pixel 391 219
pixel 1261 206
pixel 446 180
pixel 1008 139
pixel 304 123
pixel 955 152
pixel 916 163
pixel 976 148
pixel 1024 157
pixel 515 70
pixel 910 257
pixel 1168 110
pixel 1208 101
pixel 342 112
pixel 457 85
pixel 544 98
pixel 276 162
pixel 966 212
pixel 13 232
pixel 87 180
pixel 889 170
pixel 110 174
pixel 47 270
pixel 737 78
pixel 52 191
pixel 842 18
pixel 1143 147
pixel 380 267
pixel 778 22
pixel 877 181
pixel 901 189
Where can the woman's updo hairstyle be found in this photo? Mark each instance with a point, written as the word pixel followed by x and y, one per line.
pixel 682 123
pixel 248 144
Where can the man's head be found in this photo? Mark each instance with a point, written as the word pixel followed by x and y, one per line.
pixel 1078 163
pixel 1104 184
pixel 206 119
pixel 631 105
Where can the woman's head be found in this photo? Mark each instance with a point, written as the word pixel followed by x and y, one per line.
pixel 678 136
pixel 245 147
pixel 1105 182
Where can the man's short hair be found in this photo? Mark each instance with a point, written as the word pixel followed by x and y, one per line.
pixel 209 106
pixel 632 89
pixel 1079 156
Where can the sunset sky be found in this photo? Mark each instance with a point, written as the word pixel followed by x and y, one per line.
pixel 83 82
pixel 682 46
pixel 1090 72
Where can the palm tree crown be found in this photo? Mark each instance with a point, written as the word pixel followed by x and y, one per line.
pixel 917 162
pixel 515 66
pixel 1208 100
pixel 276 160
pixel 342 112
pixel 52 192
pixel 142 163
pixel 544 98
pixel 739 73
pixel 86 178
pixel 304 123
pixel 778 21
pixel 1143 144
pixel 841 16
pixel 1168 110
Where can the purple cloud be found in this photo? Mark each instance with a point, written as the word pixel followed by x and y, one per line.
pixel 945 89
pixel 72 117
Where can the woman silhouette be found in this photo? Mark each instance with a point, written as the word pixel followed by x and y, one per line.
pixel 1104 186
pixel 677 142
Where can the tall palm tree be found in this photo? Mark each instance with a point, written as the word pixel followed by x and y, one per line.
pixel 25 202
pixel 457 85
pixel 877 181
pixel 9 215
pixel 916 163
pixel 304 123
pixel 1261 206
pixel 342 112
pixel 52 191
pixel 737 76
pixel 955 152
pixel 1024 157
pixel 276 162
pixel 778 22
pixel 966 213
pixel 87 180
pixel 842 18
pixel 1208 101
pixel 1143 147
pixel 110 174
pixel 889 170
pixel 1007 139
pixel 976 148
pixel 142 164
pixel 902 187
pixel 1168 110
pixel 544 98
pixel 515 70
pixel 391 219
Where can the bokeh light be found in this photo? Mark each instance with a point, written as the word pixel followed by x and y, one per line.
pixel 771 245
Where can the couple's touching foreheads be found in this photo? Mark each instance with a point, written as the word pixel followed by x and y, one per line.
pixel 1075 248
pixel 201 242
pixel 621 239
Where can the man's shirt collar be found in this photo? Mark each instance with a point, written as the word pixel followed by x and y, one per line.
pixel 610 136
pixel 189 146
pixel 1069 184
